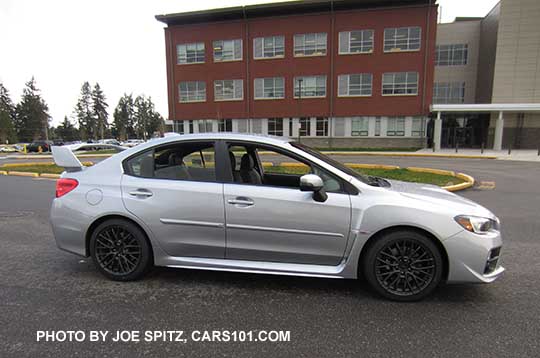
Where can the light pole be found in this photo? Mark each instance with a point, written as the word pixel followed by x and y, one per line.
pixel 299 106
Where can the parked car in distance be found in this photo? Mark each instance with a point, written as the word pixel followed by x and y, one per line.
pixel 44 144
pixel 132 142
pixel 207 201
pixel 109 141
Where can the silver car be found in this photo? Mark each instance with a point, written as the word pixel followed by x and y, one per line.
pixel 243 203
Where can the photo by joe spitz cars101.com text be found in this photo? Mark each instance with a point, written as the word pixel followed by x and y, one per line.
pixel 208 201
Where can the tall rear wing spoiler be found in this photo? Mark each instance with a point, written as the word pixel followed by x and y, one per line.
pixel 64 157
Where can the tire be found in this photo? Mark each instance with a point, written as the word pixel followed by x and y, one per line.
pixel 403 266
pixel 120 250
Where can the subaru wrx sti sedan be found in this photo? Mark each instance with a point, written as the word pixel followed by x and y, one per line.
pixel 243 203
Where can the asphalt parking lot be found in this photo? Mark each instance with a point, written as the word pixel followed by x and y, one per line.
pixel 42 288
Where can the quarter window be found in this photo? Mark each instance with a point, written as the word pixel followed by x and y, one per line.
pixel 395 127
pixel 228 90
pixel 359 84
pixel 268 47
pixel 312 86
pixel 190 53
pixel 310 44
pixel 360 41
pixel 402 39
pixel 400 83
pixel 269 88
pixel 192 91
pixel 451 55
pixel 227 50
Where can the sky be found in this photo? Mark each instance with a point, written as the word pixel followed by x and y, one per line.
pixel 117 43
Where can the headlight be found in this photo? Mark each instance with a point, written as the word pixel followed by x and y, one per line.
pixel 477 224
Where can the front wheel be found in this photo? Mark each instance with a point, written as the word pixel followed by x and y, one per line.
pixel 403 266
pixel 120 250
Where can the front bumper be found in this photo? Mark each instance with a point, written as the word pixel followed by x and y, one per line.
pixel 474 258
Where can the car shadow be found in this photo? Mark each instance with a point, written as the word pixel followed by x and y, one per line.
pixel 345 288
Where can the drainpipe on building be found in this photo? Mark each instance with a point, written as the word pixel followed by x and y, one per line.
pixel 331 119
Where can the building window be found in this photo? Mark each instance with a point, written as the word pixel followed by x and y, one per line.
pixel 395 127
pixel 360 127
pixel 225 125
pixel 321 127
pixel 448 92
pixel 360 41
pixel 451 55
pixel 305 127
pixel 190 53
pixel 228 90
pixel 311 86
pixel 310 44
pixel 402 39
pixel 227 50
pixel 205 125
pixel 400 83
pixel 192 91
pixel 358 84
pixel 291 127
pixel 417 129
pixel 268 47
pixel 268 88
pixel 178 127
pixel 275 126
pixel 377 126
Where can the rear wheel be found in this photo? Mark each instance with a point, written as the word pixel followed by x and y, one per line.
pixel 120 250
pixel 403 266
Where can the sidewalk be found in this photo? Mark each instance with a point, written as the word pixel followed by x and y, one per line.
pixel 530 155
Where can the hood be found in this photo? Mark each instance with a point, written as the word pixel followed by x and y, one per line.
pixel 435 195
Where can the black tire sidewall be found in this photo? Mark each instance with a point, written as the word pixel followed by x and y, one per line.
pixel 146 253
pixel 382 241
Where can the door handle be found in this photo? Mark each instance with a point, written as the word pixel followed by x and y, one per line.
pixel 141 192
pixel 241 201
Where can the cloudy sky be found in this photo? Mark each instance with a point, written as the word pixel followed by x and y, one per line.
pixel 118 43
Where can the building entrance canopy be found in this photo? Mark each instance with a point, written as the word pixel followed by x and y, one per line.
pixel 500 108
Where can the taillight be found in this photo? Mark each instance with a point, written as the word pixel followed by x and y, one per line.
pixel 64 186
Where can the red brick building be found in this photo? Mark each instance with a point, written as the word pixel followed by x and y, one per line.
pixel 340 73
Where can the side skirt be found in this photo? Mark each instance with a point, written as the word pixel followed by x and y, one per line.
pixel 271 268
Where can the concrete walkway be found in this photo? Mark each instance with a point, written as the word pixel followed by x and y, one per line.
pixel 516 154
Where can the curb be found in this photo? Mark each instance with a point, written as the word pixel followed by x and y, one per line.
pixel 3 172
pixel 49 176
pixel 371 166
pixel 23 174
pixel 469 182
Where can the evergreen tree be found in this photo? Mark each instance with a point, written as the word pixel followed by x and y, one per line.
pixel 7 117
pixel 99 110
pixel 123 122
pixel 84 113
pixel 147 120
pixel 67 131
pixel 32 117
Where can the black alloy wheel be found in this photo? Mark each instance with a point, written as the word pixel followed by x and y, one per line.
pixel 120 250
pixel 403 266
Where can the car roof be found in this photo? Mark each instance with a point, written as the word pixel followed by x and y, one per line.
pixel 220 136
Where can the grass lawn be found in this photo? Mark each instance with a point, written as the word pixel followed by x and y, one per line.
pixel 396 174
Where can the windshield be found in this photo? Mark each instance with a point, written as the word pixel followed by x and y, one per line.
pixel 332 162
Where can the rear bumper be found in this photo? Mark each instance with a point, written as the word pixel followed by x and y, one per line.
pixel 69 227
pixel 474 258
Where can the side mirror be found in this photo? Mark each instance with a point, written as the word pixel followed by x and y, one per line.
pixel 314 183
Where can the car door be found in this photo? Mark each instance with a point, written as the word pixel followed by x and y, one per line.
pixel 174 190
pixel 283 224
